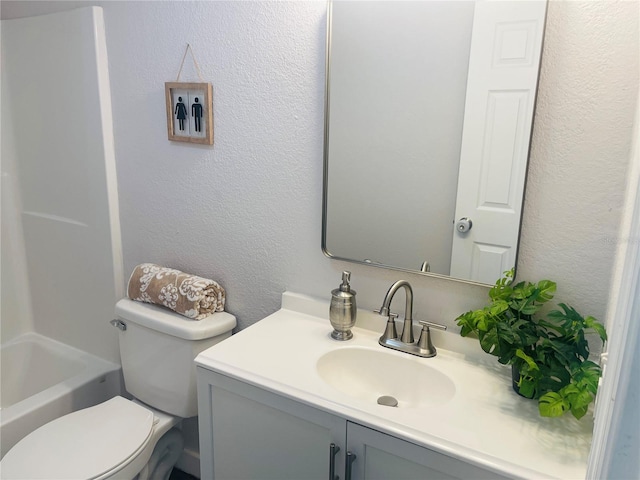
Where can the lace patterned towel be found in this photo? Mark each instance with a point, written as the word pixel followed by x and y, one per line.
pixel 189 295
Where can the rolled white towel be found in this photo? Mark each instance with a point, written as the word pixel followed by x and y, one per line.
pixel 189 295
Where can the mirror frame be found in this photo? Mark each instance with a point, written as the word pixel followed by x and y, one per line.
pixel 325 189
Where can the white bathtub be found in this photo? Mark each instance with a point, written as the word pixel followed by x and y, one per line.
pixel 42 379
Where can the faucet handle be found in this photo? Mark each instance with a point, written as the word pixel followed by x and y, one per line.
pixel 392 316
pixel 424 344
pixel 390 332
pixel 426 325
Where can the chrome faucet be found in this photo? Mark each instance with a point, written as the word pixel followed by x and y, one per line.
pixel 407 329
pixel 423 347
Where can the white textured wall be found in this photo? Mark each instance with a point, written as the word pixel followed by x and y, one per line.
pixel 581 148
pixel 246 211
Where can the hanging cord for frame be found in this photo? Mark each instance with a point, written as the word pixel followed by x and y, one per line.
pixel 189 49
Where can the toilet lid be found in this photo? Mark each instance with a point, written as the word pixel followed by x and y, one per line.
pixel 84 444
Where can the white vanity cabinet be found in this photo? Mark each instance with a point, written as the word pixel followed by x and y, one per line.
pixel 250 433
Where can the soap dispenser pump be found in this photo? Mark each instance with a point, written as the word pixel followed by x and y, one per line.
pixel 342 312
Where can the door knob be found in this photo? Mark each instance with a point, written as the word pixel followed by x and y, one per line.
pixel 464 225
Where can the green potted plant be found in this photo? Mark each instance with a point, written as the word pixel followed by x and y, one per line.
pixel 549 353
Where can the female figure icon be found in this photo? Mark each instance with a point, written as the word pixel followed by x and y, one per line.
pixel 180 112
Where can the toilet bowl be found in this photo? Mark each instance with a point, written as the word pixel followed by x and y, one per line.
pixel 122 438
pixel 115 439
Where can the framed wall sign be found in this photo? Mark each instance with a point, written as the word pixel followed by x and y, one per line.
pixel 189 112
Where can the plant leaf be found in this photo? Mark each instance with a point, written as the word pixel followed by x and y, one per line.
pixel 489 341
pixel 552 404
pixel 527 359
pixel 546 289
pixel 579 412
pixel 592 323
pixel 485 321
pixel 467 322
pixel 497 307
pixel 578 398
pixel 586 376
pixel 527 387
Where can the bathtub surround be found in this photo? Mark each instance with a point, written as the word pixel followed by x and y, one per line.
pixel 251 203
pixel 61 165
pixel 62 265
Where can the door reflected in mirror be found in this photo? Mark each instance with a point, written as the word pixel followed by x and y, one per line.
pixel 429 109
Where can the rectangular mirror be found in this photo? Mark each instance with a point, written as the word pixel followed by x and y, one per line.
pixel 429 109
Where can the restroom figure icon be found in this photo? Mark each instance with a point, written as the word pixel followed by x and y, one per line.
pixel 196 113
pixel 180 113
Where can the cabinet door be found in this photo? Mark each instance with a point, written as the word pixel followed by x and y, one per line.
pixel 380 456
pixel 248 433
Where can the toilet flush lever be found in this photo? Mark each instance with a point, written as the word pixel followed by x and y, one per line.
pixel 119 324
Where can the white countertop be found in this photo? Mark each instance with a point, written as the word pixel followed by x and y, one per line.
pixel 486 423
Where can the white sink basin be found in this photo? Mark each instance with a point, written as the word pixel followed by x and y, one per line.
pixel 368 374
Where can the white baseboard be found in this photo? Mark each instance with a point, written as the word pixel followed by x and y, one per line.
pixel 189 462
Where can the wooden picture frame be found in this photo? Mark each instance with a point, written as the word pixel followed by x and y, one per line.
pixel 189 112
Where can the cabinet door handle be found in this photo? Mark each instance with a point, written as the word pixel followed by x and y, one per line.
pixel 333 450
pixel 351 457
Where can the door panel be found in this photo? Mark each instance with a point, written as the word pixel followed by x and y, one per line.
pixel 382 457
pixel 254 434
pixel 501 88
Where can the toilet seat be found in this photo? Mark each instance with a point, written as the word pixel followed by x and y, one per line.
pixel 86 444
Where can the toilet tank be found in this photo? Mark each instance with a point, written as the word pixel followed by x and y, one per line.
pixel 157 350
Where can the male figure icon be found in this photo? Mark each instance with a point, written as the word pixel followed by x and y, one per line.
pixel 196 112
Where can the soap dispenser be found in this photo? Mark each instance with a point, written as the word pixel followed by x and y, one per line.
pixel 342 312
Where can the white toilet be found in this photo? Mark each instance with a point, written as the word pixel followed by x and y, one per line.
pixel 120 438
